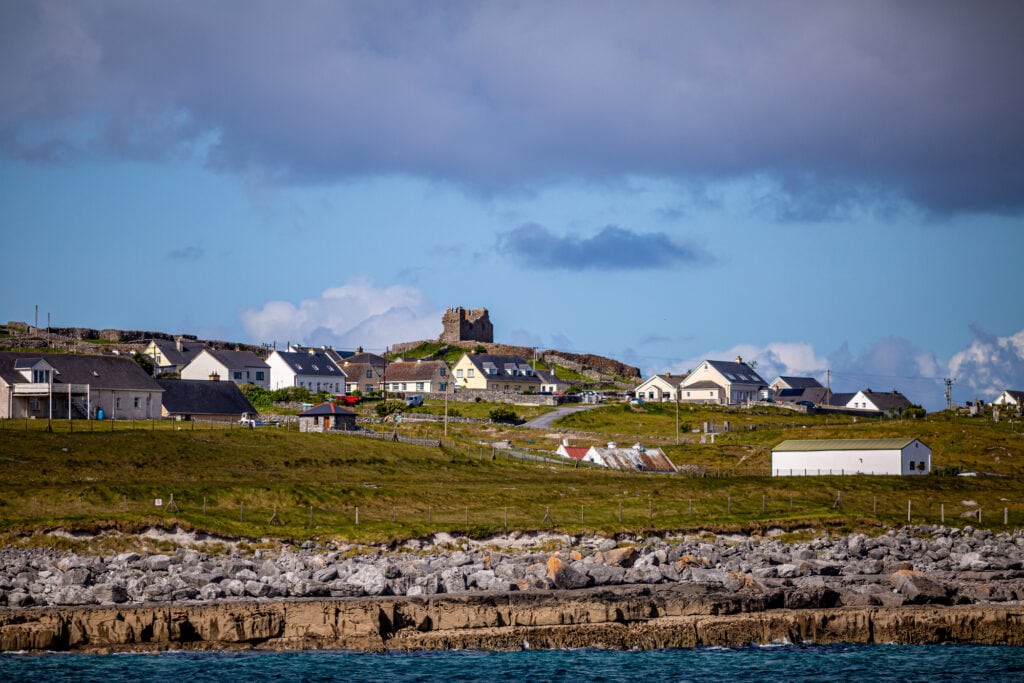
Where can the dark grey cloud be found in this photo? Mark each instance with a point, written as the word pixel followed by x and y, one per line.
pixel 613 248
pixel 189 253
pixel 834 104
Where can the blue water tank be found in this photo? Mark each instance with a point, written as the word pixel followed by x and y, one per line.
pixel 99 414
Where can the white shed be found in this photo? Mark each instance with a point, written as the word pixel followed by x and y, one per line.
pixel 813 457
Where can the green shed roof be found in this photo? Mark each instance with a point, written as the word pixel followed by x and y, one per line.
pixel 844 444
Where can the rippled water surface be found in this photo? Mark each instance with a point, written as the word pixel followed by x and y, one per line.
pixel 784 663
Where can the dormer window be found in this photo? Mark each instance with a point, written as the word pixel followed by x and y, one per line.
pixel 41 376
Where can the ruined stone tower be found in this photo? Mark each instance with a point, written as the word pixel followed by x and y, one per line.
pixel 467 325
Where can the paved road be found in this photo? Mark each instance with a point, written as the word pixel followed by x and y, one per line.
pixel 545 421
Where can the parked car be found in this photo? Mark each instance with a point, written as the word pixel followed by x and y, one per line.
pixel 349 400
pixel 413 401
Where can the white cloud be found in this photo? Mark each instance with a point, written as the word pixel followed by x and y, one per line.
pixel 355 314
pixel 988 365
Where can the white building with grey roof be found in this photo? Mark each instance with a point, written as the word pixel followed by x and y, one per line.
pixel 313 369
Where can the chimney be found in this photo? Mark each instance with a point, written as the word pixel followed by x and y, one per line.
pixel 611 444
pixel 178 344
pixel 214 376
pixel 359 349
pixel 565 442
pixel 739 359
pixel 312 351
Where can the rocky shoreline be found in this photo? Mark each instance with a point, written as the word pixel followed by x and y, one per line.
pixel 916 584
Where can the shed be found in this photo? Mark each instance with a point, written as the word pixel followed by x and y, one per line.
pixel 327 417
pixel 189 399
pixel 814 457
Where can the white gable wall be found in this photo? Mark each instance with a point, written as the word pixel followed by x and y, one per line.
pixel 830 462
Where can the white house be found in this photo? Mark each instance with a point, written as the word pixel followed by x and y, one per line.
pixel 879 401
pixel 635 459
pixel 799 458
pixel 1009 397
pixel 240 367
pixel 660 387
pixel 550 383
pixel 313 369
pixel 722 382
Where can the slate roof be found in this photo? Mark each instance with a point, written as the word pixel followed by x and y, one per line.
pixel 326 408
pixel 316 364
pixel 1017 396
pixel 172 356
pixel 99 372
pixel 237 359
pixel 337 356
pixel 414 371
pixel 548 377
pixel 813 394
pixel 843 444
pixel 799 382
pixel 202 397
pixel 888 400
pixel 635 459
pixel 737 372
pixel 504 365
pixel 704 384
pixel 839 400
pixel 366 357
pixel 356 372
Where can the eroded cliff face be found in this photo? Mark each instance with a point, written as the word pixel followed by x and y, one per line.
pixel 629 617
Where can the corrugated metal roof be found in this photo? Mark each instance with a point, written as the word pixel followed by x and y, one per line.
pixel 843 444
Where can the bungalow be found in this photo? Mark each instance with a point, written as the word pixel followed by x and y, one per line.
pixel 798 458
pixel 550 383
pixel 797 390
pixel 312 369
pixel 664 387
pixel 780 383
pixel 327 417
pixel 1010 397
pixel 240 367
pixel 172 356
pixel 572 452
pixel 506 374
pixel 416 376
pixel 364 372
pixel 880 402
pixel 722 382
pixel 635 459
pixel 193 399
pixel 68 386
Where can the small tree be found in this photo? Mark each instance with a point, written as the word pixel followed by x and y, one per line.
pixel 385 408
pixel 145 362
pixel 503 414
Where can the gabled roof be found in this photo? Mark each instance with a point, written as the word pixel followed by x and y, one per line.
pixel 838 400
pixel 414 370
pixel 704 384
pixel 99 372
pixel 237 359
pixel 337 356
pixel 326 408
pixel 667 377
pixel 504 366
pixel 365 357
pixel 888 400
pixel 315 364
pixel 356 372
pixel 576 452
pixel 813 394
pixel 169 350
pixel 1014 394
pixel 737 372
pixel 548 377
pixel 202 397
pixel 798 382
pixel 844 444
pixel 635 459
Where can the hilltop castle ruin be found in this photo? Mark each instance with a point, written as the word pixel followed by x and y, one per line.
pixel 462 325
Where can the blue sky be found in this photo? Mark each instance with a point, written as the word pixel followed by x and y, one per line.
pixel 815 186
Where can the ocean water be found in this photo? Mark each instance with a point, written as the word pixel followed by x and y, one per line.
pixel 931 663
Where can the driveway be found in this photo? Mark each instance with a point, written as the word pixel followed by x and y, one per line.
pixel 546 420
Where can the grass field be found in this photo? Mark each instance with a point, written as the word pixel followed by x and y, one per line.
pixel 279 483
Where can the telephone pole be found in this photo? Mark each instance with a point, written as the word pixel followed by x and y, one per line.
pixel 949 392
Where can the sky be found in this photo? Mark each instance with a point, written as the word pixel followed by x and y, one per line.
pixel 821 187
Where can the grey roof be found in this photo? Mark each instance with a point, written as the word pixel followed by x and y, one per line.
pixel 99 372
pixel 237 359
pixel 813 394
pixel 799 382
pixel 704 384
pixel 838 400
pixel 504 366
pixel 316 364
pixel 169 349
pixel 887 400
pixel 337 356
pixel 366 357
pixel 804 445
pixel 740 372
pixel 548 377
pixel 1013 393
pixel 636 459
pixel 202 397
pixel 326 408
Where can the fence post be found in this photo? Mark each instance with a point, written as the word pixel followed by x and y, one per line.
pixel 506 518
pixel 357 515
pixel 942 513
pixel 728 505
pixel 650 510
pixel 762 504
pixel 581 515
pixel 874 505
pixel 620 513
pixel 241 512
pixel 428 515
pixel 394 514
pixel 908 510
pixel 1006 516
pixel 204 505
pixel 467 515
pixel 310 515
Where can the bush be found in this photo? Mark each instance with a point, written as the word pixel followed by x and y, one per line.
pixel 503 414
pixel 385 408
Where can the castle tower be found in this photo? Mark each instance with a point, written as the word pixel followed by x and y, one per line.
pixel 462 325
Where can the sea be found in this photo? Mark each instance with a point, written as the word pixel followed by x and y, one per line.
pixel 931 663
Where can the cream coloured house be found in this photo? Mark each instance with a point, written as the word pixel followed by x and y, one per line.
pixel 507 374
pixel 723 383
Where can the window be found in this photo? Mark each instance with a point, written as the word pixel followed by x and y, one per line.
pixel 369 387
pixel 458 373
pixel 470 373
pixel 33 404
pixel 136 401
pixel 238 375
pixel 259 375
pixel 41 376
pixel 316 368
pixel 443 386
pixel 911 464
pixel 419 386
pixel 117 402
pixel 443 372
pixel 369 374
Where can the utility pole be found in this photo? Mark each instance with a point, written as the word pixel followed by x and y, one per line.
pixel 828 386
pixel 677 414
pixel 949 392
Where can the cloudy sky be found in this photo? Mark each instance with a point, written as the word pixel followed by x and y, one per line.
pixel 814 185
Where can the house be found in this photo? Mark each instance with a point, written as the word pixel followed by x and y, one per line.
pixel 416 376
pixel 1010 397
pixel 327 417
pixel 193 399
pixel 172 356
pixel 722 382
pixel 785 389
pixel 780 383
pixel 338 357
pixel 507 374
pixel 364 372
pixel 664 387
pixel 64 386
pixel 795 458
pixel 571 452
pixel 889 403
pixel 240 367
pixel 635 459
pixel 312 369
pixel 550 383
pixel 835 400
